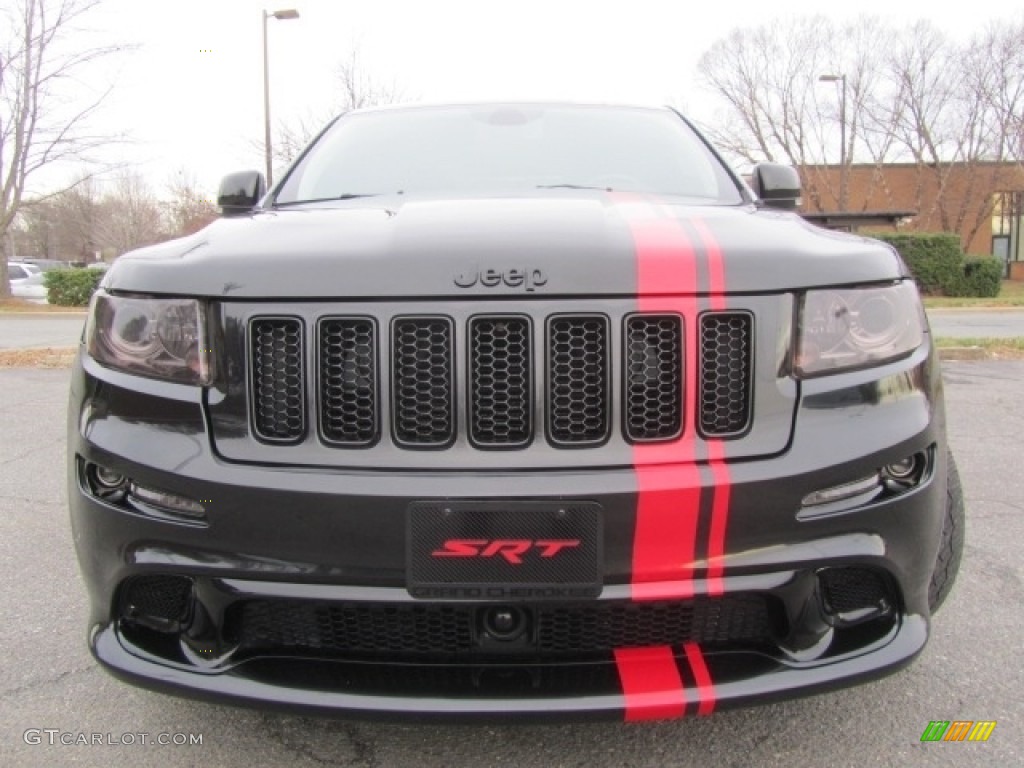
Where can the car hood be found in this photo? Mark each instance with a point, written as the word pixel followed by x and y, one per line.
pixel 579 244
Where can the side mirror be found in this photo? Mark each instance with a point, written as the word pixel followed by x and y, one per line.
pixel 240 192
pixel 777 186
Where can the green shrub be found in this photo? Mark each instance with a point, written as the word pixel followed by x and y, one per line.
pixel 936 260
pixel 71 287
pixel 982 277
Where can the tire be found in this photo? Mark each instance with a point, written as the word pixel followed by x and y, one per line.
pixel 947 564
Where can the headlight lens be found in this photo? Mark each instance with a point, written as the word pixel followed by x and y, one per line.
pixel 852 328
pixel 162 338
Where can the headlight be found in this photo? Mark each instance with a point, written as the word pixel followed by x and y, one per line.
pixel 162 338
pixel 851 328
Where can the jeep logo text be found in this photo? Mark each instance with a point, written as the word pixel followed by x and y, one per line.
pixel 530 279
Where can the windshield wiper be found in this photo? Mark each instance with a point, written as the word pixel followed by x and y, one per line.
pixel 346 196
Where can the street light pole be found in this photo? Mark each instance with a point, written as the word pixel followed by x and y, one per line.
pixel 842 134
pixel 285 15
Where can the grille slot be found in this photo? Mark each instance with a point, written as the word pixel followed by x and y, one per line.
pixel 278 378
pixel 450 630
pixel 579 628
pixel 854 589
pixel 163 598
pixel 578 396
pixel 725 373
pixel 348 380
pixel 422 383
pixel 654 377
pixel 500 381
pixel 356 627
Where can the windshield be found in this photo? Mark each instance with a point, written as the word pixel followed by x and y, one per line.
pixel 472 150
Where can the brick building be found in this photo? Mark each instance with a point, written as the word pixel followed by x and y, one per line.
pixel 984 203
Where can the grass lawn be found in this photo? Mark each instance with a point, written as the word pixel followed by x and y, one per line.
pixel 48 357
pixel 981 349
pixel 1015 344
pixel 1010 295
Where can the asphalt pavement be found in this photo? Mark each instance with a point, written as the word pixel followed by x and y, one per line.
pixel 977 323
pixel 40 329
pixel 51 690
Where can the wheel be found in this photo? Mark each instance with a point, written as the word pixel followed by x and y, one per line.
pixel 952 549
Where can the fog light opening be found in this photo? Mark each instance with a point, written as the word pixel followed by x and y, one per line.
pixel 104 483
pixel 905 474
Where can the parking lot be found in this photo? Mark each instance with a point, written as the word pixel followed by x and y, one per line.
pixel 971 669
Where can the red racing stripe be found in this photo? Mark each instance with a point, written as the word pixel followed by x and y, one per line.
pixel 650 682
pixel 668 480
pixel 716 448
pixel 705 688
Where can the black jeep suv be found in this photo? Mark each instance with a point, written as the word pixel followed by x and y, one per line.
pixel 510 410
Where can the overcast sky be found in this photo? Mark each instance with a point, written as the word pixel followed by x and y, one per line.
pixel 190 94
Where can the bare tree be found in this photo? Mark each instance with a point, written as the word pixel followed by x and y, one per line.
pixel 357 88
pixel 131 217
pixel 40 122
pixel 187 209
pixel 775 107
pixel 910 94
pixel 990 109
pixel 63 225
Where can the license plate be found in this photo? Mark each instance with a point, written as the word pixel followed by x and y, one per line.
pixel 522 550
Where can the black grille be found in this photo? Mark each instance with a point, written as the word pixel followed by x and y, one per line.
pixel 423 381
pixel 356 628
pixel 348 380
pixel 500 381
pixel 725 373
pixel 354 371
pixel 709 621
pixel 578 380
pixel 654 377
pixel 453 630
pixel 164 598
pixel 278 378
pixel 854 589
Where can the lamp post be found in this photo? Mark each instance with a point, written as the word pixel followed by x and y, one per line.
pixel 285 15
pixel 842 134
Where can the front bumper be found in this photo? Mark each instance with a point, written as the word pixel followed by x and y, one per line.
pixel 323 537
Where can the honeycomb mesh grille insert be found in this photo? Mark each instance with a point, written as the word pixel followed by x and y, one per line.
pixel 725 373
pixel 278 378
pixel 158 597
pixel 445 631
pixel 423 381
pixel 853 589
pixel 348 380
pixel 708 621
pixel 500 381
pixel 578 380
pixel 654 377
pixel 356 628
